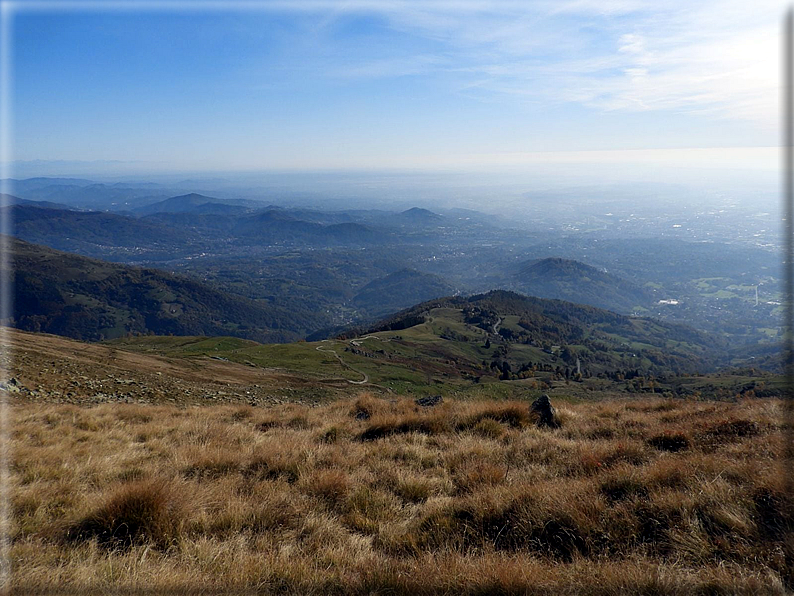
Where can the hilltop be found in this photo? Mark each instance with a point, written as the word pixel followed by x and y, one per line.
pixel 566 279
pixel 420 215
pixel 525 331
pixel 195 203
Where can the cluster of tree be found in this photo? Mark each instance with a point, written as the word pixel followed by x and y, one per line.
pixel 528 370
pixel 481 317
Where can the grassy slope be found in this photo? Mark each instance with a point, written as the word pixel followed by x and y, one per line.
pixel 654 496
pixel 418 360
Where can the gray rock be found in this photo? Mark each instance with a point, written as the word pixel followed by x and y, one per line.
pixel 429 401
pixel 13 385
pixel 547 417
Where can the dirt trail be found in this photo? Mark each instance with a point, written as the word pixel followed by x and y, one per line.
pixel 345 365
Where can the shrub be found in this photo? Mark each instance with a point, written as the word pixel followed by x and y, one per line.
pixel 477 474
pixel 522 523
pixel 241 414
pixel 623 486
pixel 413 490
pixel 368 507
pixel 330 435
pixel 272 466
pixel 429 425
pixel 774 512
pixel 133 415
pixel 364 408
pixel 629 452
pixel 299 422
pixel 211 468
pixel 267 424
pixel 489 428
pixel 514 415
pixel 728 431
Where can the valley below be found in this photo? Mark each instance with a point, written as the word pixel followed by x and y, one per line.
pixel 209 396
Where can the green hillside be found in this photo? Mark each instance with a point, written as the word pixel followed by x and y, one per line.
pixel 603 341
pixel 449 346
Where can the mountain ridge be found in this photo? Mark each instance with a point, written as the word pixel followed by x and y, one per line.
pixel 84 298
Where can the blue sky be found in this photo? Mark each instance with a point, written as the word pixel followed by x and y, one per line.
pixel 357 85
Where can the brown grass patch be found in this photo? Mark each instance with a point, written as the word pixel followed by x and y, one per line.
pixel 139 513
pixel 466 497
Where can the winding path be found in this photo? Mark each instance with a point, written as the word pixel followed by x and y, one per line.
pixel 357 342
pixel 496 325
pixel 345 365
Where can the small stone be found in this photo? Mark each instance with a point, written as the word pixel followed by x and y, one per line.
pixel 429 401
pixel 12 386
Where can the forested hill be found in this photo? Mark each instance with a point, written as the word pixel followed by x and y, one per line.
pixel 604 339
pixel 400 289
pixel 566 279
pixel 88 299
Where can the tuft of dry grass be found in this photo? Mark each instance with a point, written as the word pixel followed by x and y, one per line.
pixel 137 513
pixel 372 495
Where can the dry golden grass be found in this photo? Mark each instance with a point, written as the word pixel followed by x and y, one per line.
pixel 380 496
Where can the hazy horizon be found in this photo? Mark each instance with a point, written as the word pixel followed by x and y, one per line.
pixel 579 89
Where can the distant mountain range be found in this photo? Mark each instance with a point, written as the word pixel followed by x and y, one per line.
pixel 196 203
pixel 8 200
pixel 96 233
pixel 275 225
pixel 171 234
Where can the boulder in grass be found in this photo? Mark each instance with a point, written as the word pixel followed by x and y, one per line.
pixel 546 417
pixel 429 401
pixel 12 386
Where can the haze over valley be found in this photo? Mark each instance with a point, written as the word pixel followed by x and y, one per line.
pixel 352 266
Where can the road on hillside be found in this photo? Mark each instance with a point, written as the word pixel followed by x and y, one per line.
pixel 496 325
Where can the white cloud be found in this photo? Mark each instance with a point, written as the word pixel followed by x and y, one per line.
pixel 631 44
pixel 718 58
